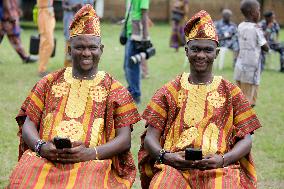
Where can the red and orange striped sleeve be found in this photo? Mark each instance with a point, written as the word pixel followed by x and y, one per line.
pixel 34 104
pixel 245 119
pixel 125 110
pixel 156 111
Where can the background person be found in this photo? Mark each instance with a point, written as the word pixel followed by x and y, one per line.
pixel 99 8
pixel 271 32
pixel 144 64
pixel 201 111
pixel 10 26
pixel 46 24
pixel 87 106
pixel 227 35
pixel 251 41
pixel 138 36
pixel 179 18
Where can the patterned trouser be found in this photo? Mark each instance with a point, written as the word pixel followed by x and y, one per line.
pixel 279 47
pixel 12 30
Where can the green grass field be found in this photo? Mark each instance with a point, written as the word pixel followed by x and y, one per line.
pixel 16 79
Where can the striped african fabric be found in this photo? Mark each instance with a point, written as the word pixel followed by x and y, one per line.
pixel 210 117
pixel 82 110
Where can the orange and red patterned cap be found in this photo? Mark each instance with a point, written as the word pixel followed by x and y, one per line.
pixel 200 26
pixel 85 22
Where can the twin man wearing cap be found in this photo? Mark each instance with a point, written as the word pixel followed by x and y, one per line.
pixel 196 110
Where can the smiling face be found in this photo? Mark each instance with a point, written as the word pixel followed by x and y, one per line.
pixel 201 54
pixel 85 51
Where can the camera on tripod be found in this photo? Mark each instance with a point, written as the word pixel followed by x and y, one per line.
pixel 146 50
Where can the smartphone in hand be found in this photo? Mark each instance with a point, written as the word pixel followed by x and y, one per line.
pixel 61 143
pixel 193 154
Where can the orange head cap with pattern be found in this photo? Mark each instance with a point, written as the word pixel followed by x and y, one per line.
pixel 85 22
pixel 200 26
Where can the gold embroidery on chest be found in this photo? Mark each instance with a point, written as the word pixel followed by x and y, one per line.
pixel 196 99
pixel 210 140
pixel 60 89
pixel 186 138
pixel 87 117
pixel 173 135
pixel 195 106
pixel 80 91
pixel 98 93
pixel 70 129
pixel 215 99
pixel 169 140
pixel 97 129
pixel 47 126
pixel 181 98
pixel 77 99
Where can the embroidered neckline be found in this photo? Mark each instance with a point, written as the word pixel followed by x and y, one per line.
pixel 210 87
pixel 79 92
pixel 95 81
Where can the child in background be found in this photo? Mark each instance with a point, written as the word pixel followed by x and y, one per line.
pixel 251 41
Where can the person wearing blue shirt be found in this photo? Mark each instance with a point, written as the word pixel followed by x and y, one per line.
pixel 271 31
pixel 227 32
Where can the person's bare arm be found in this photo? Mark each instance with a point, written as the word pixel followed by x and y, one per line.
pixel 31 136
pixel 121 143
pixel 29 133
pixel 151 143
pixel 265 47
pixel 145 32
pixel 240 149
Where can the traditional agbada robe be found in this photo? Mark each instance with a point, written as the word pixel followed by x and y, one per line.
pixel 209 117
pixel 82 110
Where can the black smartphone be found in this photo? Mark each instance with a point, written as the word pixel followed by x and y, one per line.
pixel 61 143
pixel 193 154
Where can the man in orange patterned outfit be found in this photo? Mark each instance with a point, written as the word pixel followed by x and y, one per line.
pixel 200 111
pixel 85 105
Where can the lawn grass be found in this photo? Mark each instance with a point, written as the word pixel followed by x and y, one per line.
pixel 16 79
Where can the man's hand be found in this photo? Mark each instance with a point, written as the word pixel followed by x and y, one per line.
pixel 270 25
pixel 49 151
pixel 78 153
pixel 143 45
pixel 177 160
pixel 210 162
